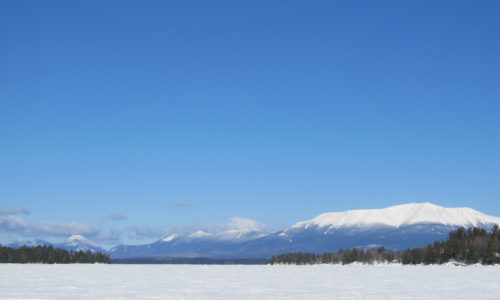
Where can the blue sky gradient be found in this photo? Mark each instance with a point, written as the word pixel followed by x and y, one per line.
pixel 182 114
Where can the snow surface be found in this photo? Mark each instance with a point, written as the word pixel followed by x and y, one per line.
pixel 248 282
pixel 405 214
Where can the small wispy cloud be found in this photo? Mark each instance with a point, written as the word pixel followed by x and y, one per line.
pixel 179 204
pixel 13 210
pixel 115 217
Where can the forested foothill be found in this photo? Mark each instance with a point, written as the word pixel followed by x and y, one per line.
pixel 50 255
pixel 463 246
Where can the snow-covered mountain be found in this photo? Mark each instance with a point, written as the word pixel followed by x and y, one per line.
pixel 396 227
pixel 77 242
pixel 401 215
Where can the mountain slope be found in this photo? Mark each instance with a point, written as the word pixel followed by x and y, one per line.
pixel 396 227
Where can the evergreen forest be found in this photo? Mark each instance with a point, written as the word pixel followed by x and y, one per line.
pixel 49 255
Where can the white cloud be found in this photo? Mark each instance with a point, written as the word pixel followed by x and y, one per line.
pixel 13 223
pixel 244 224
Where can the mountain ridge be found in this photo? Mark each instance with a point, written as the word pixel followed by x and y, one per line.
pixel 396 227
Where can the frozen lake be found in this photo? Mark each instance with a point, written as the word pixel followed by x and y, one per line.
pixel 247 282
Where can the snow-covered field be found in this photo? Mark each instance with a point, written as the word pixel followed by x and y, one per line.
pixel 247 282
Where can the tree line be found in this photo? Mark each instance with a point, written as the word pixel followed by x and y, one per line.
pixel 50 255
pixel 468 246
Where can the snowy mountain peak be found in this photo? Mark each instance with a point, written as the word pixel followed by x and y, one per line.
pixel 169 238
pixel 199 234
pixel 400 215
pixel 77 239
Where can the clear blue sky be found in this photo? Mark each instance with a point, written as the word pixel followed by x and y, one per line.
pixel 153 114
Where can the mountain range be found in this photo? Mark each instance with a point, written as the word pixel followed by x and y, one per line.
pixel 396 227
pixel 73 243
